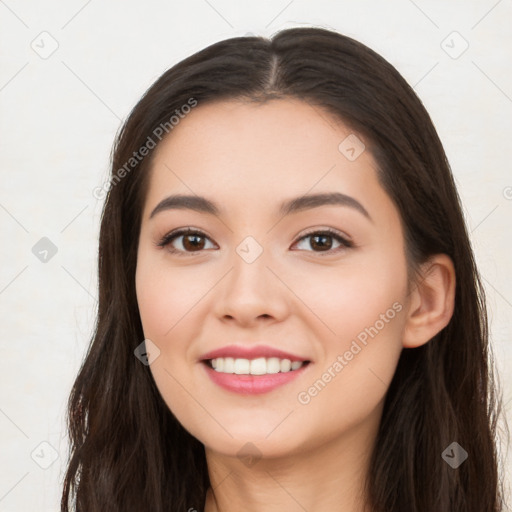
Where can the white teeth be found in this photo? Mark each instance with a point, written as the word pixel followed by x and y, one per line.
pixel 242 366
pixel 229 365
pixel 286 365
pixel 260 366
pixel 273 365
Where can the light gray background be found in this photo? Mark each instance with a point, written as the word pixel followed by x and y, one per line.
pixel 59 116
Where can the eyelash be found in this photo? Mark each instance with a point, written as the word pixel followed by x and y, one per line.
pixel 168 238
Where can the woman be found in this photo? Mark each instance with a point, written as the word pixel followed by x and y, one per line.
pixel 289 313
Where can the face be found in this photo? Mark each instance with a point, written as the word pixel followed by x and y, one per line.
pixel 323 281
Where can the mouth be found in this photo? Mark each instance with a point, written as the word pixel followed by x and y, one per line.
pixel 253 377
pixel 256 367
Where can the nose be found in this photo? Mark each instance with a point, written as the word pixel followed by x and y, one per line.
pixel 252 292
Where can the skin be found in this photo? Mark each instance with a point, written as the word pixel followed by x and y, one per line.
pixel 249 158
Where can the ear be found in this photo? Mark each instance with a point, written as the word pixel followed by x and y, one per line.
pixel 431 301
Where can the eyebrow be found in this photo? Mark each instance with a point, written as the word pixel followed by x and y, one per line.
pixel 204 205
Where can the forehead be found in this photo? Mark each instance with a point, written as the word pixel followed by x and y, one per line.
pixel 244 153
pixel 277 132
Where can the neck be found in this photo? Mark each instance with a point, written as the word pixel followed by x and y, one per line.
pixel 326 478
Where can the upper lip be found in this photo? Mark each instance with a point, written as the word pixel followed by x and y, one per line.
pixel 252 352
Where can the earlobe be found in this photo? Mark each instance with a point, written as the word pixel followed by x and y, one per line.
pixel 431 302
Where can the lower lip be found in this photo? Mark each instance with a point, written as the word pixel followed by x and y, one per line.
pixel 252 384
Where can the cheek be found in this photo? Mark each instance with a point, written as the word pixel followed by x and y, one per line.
pixel 350 385
pixel 362 313
pixel 166 295
pixel 356 295
pixel 173 304
pixel 168 299
pixel 156 305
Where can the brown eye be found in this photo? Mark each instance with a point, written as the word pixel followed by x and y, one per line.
pixel 322 241
pixel 191 241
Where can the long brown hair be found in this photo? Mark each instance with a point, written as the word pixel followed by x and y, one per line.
pixel 129 453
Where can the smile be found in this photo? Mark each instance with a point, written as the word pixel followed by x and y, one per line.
pixel 259 366
pixel 254 376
